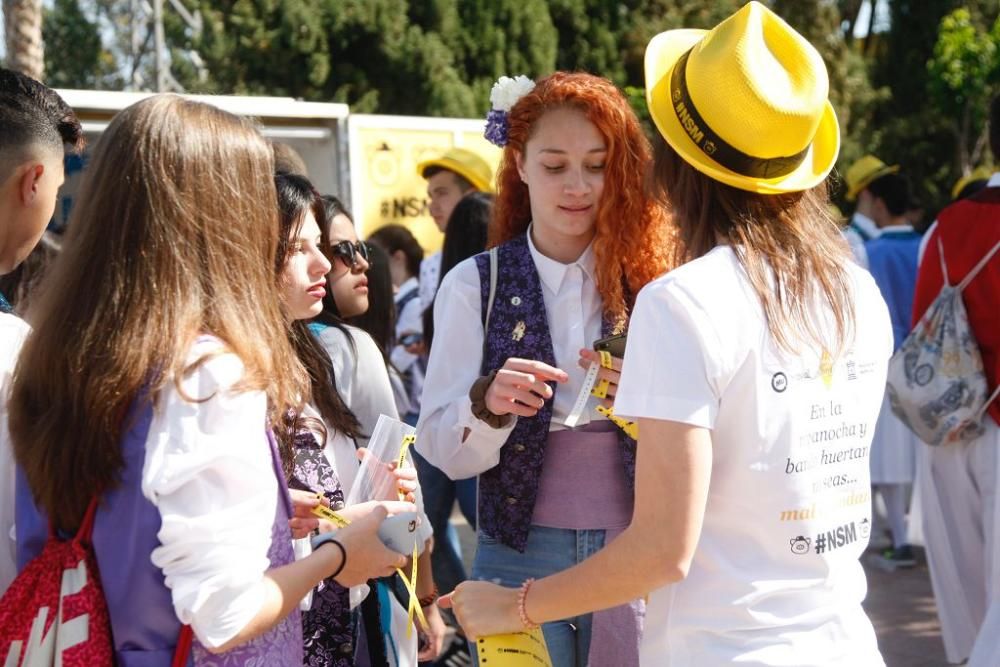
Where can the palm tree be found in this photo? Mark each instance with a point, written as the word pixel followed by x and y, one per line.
pixel 23 30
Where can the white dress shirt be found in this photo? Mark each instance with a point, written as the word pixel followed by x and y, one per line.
pixel 573 311
pixel 209 471
pixel 13 331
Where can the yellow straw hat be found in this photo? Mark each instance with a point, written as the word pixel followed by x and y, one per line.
pixel 744 103
pixel 466 164
pixel 978 174
pixel 860 174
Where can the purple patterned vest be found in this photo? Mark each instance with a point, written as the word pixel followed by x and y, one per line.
pixel 143 623
pixel 507 492
pixel 328 633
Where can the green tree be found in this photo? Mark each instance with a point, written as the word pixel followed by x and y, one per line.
pixel 909 127
pixel 851 91
pixel 74 55
pixel 964 72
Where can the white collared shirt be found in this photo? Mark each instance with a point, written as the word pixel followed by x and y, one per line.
pixel 573 309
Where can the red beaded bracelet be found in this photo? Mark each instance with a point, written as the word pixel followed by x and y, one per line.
pixel 428 600
pixel 522 596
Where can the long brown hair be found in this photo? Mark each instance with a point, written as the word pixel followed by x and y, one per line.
pixel 634 241
pixel 296 197
pixel 173 235
pixel 789 245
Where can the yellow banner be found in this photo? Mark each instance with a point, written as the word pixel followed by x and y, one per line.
pixel 385 152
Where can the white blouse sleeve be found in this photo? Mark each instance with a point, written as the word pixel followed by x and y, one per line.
pixel 209 471
pixel 456 357
pixel 668 372
pixel 361 377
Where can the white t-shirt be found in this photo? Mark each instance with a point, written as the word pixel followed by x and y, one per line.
pixel 13 331
pixel 775 579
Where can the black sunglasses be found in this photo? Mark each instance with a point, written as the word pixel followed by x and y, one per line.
pixel 349 252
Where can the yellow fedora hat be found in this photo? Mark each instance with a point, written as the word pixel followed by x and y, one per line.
pixel 744 103
pixel 466 164
pixel 864 171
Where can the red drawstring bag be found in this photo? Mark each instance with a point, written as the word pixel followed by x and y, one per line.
pixel 54 612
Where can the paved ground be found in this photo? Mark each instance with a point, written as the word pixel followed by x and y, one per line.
pixel 900 604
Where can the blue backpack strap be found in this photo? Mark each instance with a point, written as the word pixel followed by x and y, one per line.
pixel 5 306
pixel 405 299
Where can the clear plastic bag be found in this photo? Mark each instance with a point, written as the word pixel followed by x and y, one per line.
pixel 389 444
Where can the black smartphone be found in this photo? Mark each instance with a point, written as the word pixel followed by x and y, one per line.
pixel 613 344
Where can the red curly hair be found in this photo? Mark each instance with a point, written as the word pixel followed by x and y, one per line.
pixel 634 242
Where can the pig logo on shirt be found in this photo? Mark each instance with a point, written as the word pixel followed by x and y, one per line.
pixel 800 545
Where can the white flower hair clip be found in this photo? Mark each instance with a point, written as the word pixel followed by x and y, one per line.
pixel 505 94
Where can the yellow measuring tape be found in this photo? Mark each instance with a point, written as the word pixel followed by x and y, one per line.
pixel 518 649
pixel 404 447
pixel 413 608
pixel 631 428
pixel 601 390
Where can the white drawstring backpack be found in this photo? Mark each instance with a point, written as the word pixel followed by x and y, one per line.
pixel 936 382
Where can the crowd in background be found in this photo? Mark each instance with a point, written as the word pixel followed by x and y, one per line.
pixel 212 344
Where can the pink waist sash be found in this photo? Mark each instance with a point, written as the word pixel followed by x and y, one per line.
pixel 583 481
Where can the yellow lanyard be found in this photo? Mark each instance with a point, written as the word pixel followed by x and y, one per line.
pixel 413 608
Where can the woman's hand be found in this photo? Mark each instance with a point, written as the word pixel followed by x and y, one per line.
pixel 434 632
pixel 612 375
pixel 303 521
pixel 519 387
pixel 484 609
pixel 367 557
pixel 405 479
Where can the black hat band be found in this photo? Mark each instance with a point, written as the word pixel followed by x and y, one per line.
pixel 714 146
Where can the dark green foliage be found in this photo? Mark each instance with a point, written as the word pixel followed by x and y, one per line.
pixel 74 56
pixel 911 90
